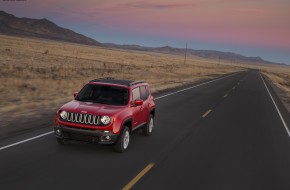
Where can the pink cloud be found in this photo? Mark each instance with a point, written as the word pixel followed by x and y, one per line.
pixel 157 5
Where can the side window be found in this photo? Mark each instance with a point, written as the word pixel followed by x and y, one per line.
pixel 135 94
pixel 143 92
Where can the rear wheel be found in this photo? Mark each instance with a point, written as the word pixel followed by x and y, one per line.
pixel 148 128
pixel 123 140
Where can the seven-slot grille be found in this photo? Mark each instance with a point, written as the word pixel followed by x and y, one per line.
pixel 82 118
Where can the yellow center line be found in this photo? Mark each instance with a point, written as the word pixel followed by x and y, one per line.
pixel 138 177
pixel 206 113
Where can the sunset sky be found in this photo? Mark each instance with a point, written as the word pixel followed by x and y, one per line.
pixel 249 27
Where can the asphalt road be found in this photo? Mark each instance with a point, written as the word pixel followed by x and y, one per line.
pixel 225 134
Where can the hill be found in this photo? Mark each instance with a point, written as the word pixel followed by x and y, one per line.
pixel 40 28
pixel 211 54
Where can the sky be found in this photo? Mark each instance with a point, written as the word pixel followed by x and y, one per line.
pixel 249 27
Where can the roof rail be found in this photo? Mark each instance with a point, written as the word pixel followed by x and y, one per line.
pixel 103 78
pixel 111 80
pixel 136 82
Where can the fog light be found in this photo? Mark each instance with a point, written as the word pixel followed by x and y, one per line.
pixel 58 132
pixel 106 138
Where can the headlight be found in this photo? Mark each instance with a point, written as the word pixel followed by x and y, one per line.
pixel 105 120
pixel 63 114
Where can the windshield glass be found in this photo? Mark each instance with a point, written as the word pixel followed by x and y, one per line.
pixel 103 94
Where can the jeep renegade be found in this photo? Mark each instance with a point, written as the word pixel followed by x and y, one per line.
pixel 106 111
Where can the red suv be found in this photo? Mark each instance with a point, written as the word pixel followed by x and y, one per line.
pixel 106 111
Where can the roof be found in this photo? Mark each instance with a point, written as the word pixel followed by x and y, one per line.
pixel 119 82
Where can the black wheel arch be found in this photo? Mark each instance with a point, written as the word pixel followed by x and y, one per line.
pixel 152 112
pixel 127 122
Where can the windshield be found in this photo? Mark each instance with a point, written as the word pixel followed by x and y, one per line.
pixel 103 94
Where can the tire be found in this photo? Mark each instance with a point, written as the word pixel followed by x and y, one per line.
pixel 123 140
pixel 61 141
pixel 148 128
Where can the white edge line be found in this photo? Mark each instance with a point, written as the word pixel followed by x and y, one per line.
pixel 20 142
pixel 48 133
pixel 281 117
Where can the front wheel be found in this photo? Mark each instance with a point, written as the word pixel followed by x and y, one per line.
pixel 61 141
pixel 148 128
pixel 123 140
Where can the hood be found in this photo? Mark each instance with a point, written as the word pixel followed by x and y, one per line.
pixel 91 108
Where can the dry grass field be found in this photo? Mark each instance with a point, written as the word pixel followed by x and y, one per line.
pixel 38 76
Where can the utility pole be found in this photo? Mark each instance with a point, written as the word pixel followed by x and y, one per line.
pixel 185 54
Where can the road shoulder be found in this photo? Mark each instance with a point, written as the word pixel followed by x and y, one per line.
pixel 280 93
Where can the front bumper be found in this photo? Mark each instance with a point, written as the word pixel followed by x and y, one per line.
pixel 84 135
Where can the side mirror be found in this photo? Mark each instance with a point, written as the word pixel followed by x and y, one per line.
pixel 138 102
pixel 75 94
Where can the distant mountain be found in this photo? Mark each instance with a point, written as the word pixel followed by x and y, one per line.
pixel 40 28
pixel 226 56
pixel 129 47
pixel 211 54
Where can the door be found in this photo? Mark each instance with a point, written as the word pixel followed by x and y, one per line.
pixel 137 110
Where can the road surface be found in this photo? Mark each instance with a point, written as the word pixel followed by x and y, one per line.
pixel 230 134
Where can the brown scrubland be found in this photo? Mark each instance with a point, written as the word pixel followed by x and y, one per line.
pixel 40 75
